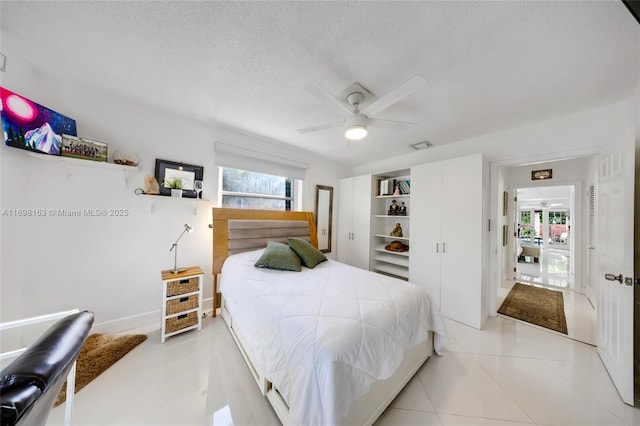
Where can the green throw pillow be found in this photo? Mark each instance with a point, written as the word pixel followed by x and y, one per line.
pixel 279 256
pixel 310 255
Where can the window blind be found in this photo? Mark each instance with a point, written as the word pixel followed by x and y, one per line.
pixel 255 161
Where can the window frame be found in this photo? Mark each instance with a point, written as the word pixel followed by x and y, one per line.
pixel 291 201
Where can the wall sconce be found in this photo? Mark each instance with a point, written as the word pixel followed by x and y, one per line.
pixel 174 247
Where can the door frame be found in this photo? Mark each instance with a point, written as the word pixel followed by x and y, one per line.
pixel 497 258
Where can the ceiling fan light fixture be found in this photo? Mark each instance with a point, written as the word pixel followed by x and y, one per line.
pixel 356 132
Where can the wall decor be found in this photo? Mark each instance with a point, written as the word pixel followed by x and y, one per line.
pixel 505 203
pixel 83 148
pixel 167 171
pixel 31 126
pixel 505 235
pixel 542 174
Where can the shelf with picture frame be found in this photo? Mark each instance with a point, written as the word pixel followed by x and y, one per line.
pixel 390 231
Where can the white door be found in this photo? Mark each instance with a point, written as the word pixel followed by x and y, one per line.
pixel 461 267
pixel 426 230
pixel 361 222
pixel 345 216
pixel 615 200
pixel 354 221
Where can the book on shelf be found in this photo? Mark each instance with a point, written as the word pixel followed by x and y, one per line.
pixel 385 187
pixel 394 186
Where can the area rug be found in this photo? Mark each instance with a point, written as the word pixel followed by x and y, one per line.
pixel 536 305
pixel 99 352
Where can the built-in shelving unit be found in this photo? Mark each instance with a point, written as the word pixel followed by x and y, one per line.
pixel 387 188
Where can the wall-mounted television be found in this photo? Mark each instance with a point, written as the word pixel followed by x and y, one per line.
pixel 31 126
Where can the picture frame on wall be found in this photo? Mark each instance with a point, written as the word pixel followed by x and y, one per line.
pixel 83 148
pixel 169 170
pixel 33 127
pixel 505 203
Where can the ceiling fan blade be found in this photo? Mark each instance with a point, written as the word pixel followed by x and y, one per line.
pixel 400 92
pixel 323 94
pixel 391 124
pixel 320 127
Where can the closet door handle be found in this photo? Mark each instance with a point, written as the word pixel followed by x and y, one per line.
pixel 444 248
pixel 437 247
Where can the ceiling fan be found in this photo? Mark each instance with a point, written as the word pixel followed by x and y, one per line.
pixel 356 124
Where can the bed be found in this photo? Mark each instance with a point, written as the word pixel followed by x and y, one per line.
pixel 329 345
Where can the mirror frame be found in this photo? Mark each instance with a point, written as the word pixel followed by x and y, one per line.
pixel 330 213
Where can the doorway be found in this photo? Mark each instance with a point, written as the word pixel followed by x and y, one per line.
pixel 544 250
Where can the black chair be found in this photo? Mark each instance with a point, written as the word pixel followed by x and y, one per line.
pixel 30 384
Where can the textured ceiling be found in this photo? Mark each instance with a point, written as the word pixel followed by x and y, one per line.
pixel 488 65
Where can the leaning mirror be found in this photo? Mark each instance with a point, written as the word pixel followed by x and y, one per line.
pixel 324 212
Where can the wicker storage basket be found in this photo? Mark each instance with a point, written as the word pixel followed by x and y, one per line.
pixel 182 304
pixel 182 286
pixel 181 321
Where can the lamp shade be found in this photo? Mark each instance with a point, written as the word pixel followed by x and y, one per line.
pixel 355 132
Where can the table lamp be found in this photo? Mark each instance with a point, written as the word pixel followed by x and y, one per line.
pixel 174 247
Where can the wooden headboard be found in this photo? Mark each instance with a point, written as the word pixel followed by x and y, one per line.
pixel 237 230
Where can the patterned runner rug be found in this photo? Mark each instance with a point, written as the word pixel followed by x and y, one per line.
pixel 99 352
pixel 537 306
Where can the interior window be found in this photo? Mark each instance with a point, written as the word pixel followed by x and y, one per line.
pixel 243 189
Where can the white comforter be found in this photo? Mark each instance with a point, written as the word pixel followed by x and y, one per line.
pixel 324 335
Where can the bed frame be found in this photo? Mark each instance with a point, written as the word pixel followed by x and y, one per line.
pixel 238 230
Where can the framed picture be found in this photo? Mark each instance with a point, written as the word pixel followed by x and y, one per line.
pixel 542 174
pixel 505 203
pixel 168 171
pixel 85 149
pixel 31 126
pixel 505 235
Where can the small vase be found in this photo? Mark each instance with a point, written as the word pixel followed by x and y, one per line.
pixel 176 192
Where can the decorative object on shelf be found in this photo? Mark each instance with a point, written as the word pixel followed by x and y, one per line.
pixel 174 247
pixel 397 190
pixel 542 174
pixel 197 187
pixel 187 173
pixel 126 158
pixel 151 185
pixel 83 148
pixel 394 208
pixel 403 209
pixel 396 246
pixel 397 231
pixel 176 185
pixel 31 126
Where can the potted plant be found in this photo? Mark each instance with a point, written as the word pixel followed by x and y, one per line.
pixel 176 186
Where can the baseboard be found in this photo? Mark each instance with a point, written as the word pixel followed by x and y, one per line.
pixel 145 321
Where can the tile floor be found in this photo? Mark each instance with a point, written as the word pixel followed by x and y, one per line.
pixel 507 374
pixel 552 272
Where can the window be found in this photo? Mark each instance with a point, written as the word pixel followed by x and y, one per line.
pixel 244 189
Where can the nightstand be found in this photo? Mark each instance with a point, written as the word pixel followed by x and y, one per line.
pixel 181 301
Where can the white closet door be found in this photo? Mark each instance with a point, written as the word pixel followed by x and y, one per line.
pixel 461 288
pixel 361 221
pixel 425 217
pixel 345 218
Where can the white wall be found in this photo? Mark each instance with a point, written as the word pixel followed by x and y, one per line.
pixel 111 265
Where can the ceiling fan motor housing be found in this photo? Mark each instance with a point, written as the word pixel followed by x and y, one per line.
pixel 356 120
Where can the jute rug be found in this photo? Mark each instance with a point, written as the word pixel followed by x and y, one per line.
pixel 99 352
pixel 537 306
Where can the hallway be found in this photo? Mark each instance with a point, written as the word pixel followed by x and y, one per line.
pixel 552 272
